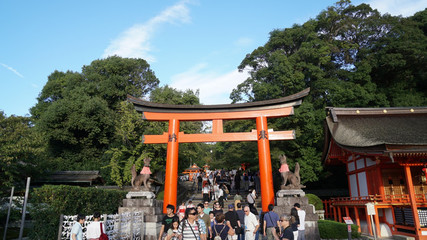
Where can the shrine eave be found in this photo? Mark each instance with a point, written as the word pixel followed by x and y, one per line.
pixel 288 101
pixel 375 132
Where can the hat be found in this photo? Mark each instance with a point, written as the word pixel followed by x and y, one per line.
pixel 231 206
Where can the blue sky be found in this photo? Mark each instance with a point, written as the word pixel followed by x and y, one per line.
pixel 194 44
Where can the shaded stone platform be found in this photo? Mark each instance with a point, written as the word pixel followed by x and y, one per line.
pixel 285 202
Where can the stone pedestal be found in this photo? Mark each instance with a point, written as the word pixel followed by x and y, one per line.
pixel 141 194
pixel 285 202
pixel 153 212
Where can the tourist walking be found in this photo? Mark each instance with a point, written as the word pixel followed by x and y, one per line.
pixel 217 208
pixel 93 230
pixel 172 233
pixel 167 221
pixel 237 179
pixel 77 230
pixel 251 201
pixel 285 222
pixel 207 209
pixel 181 211
pixel 202 215
pixel 233 221
pixel 241 214
pixel 251 224
pixel 220 228
pixel 295 222
pixel 301 227
pixel 271 221
pixel 206 190
pixel 190 227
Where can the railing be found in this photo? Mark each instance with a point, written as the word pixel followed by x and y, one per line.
pixel 402 198
pixel 385 199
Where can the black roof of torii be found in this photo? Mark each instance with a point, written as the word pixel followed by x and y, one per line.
pixel 146 106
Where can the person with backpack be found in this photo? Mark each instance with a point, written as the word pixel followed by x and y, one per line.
pixel 251 201
pixel 220 230
pixel 191 227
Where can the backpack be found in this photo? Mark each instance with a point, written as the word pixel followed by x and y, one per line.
pixel 217 236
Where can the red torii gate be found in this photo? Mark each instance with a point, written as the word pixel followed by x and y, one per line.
pixel 260 111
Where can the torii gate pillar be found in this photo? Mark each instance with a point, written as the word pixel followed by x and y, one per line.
pixel 171 177
pixel 265 171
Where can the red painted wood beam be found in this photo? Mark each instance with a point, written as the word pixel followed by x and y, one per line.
pixel 159 116
pixel 218 137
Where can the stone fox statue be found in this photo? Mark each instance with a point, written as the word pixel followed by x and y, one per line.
pixel 293 177
pixel 143 177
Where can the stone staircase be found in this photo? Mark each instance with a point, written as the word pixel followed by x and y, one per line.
pixel 197 198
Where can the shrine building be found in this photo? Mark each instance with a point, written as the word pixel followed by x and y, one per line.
pixel 384 151
pixel 191 171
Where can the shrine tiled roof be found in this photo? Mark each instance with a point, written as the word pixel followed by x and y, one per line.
pixel 378 129
pixel 64 177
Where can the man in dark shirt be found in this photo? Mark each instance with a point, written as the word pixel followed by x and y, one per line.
pixel 241 215
pixel 232 219
pixel 167 221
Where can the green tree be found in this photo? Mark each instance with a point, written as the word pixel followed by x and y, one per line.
pixel 129 149
pixel 350 56
pixel 21 149
pixel 77 112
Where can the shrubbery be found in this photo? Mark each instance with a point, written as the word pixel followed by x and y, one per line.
pixel 315 200
pixel 49 202
pixel 334 230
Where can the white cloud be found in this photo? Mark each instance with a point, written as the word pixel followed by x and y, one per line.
pixel 12 69
pixel 399 7
pixel 215 88
pixel 135 41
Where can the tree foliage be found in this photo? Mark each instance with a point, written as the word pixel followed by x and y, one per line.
pixel 129 149
pixel 350 56
pixel 21 149
pixel 77 112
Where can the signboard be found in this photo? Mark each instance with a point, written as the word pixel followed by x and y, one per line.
pixel 370 207
pixel 348 220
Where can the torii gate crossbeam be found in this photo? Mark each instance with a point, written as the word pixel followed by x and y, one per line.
pixel 260 111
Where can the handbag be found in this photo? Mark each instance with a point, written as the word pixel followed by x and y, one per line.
pixel 238 230
pixel 103 235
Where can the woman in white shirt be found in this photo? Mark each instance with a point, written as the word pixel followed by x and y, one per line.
pixel 94 228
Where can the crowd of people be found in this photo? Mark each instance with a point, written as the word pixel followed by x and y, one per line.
pixel 242 221
pixel 212 182
pixel 238 223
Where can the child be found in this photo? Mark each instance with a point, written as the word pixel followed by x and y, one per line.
pixel 173 231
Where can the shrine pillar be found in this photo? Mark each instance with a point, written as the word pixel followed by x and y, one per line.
pixel 266 177
pixel 171 175
pixel 411 191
